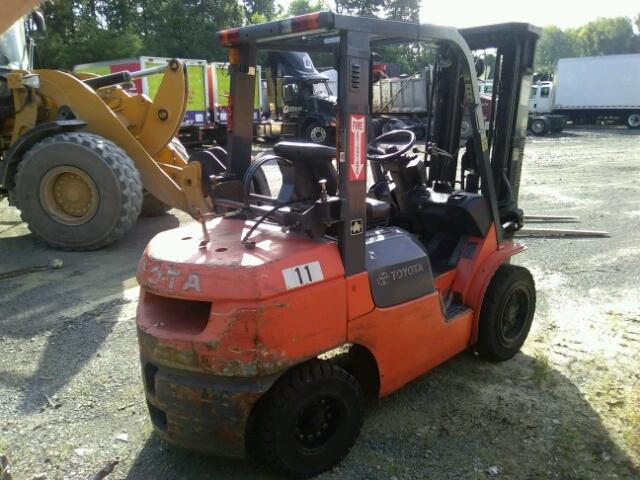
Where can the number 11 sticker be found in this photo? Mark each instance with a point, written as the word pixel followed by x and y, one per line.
pixel 304 274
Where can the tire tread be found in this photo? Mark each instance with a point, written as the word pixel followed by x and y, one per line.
pixel 124 170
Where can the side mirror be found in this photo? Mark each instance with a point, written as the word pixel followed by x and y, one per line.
pixel 479 67
pixel 37 19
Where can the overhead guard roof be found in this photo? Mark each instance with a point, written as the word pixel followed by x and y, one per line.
pixel 320 30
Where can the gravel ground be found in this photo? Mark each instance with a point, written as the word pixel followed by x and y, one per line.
pixel 567 407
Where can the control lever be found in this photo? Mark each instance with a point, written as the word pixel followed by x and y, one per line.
pixel 323 190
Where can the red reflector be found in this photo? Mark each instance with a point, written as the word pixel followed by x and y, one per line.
pixel 229 36
pixel 311 21
pixel 230 113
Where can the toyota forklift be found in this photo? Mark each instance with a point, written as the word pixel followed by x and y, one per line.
pixel 266 327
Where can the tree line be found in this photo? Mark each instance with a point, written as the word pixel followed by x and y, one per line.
pixel 604 36
pixel 82 31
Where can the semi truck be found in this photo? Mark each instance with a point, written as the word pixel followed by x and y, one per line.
pixel 588 89
pixel 300 98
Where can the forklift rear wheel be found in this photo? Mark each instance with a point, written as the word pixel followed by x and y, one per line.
pixel 316 133
pixel 539 127
pixel 633 121
pixel 78 191
pixel 506 313
pixel 310 419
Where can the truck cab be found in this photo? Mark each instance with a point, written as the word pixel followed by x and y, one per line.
pixel 309 109
pixel 541 98
pixel 301 97
pixel 13 48
pixel 542 120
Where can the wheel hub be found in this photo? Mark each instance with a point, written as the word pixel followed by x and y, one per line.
pixel 634 120
pixel 318 134
pixel 316 422
pixel 69 195
pixel 514 316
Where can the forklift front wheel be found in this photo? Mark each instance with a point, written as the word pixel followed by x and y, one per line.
pixel 506 313
pixel 310 419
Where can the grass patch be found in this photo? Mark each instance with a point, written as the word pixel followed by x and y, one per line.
pixel 632 423
pixel 542 370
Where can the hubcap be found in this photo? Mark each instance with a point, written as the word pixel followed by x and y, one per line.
pixel 537 127
pixel 318 134
pixel 634 120
pixel 514 317
pixel 69 195
pixel 317 421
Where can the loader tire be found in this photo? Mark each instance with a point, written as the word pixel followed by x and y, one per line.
pixel 152 206
pixel 506 313
pixel 78 191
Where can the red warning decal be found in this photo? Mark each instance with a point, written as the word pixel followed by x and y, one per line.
pixel 357 147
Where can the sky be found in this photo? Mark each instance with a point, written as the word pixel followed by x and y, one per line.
pixel 563 13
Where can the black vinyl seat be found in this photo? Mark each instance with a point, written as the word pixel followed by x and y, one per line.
pixel 311 163
pixel 303 151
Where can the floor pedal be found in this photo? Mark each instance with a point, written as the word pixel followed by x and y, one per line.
pixel 455 310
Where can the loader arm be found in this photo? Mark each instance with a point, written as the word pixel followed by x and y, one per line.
pixel 146 141
pixel 14 10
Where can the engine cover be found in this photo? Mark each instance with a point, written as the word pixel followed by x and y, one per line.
pixel 398 266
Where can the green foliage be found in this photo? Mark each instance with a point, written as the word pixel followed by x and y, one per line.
pixel 604 36
pixel 300 7
pixel 82 31
pixel 553 44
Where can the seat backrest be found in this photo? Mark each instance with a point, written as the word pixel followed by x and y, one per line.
pixel 311 163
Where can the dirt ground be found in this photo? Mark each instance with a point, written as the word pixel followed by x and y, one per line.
pixel 567 407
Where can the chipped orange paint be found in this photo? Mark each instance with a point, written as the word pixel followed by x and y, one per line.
pixel 251 305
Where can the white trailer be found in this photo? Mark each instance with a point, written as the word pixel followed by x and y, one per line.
pixel 587 89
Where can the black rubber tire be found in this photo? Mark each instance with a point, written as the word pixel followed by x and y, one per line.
pixel 286 405
pixel 309 135
pixel 115 175
pixel 509 280
pixel 539 127
pixel 633 121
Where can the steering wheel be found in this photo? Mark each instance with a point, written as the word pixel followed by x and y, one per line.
pixel 374 152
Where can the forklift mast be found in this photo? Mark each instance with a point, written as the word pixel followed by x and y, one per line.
pixel 515 45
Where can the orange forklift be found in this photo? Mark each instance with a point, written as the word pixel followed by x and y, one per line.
pixel 265 329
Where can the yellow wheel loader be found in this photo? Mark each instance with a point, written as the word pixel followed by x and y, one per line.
pixel 79 154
